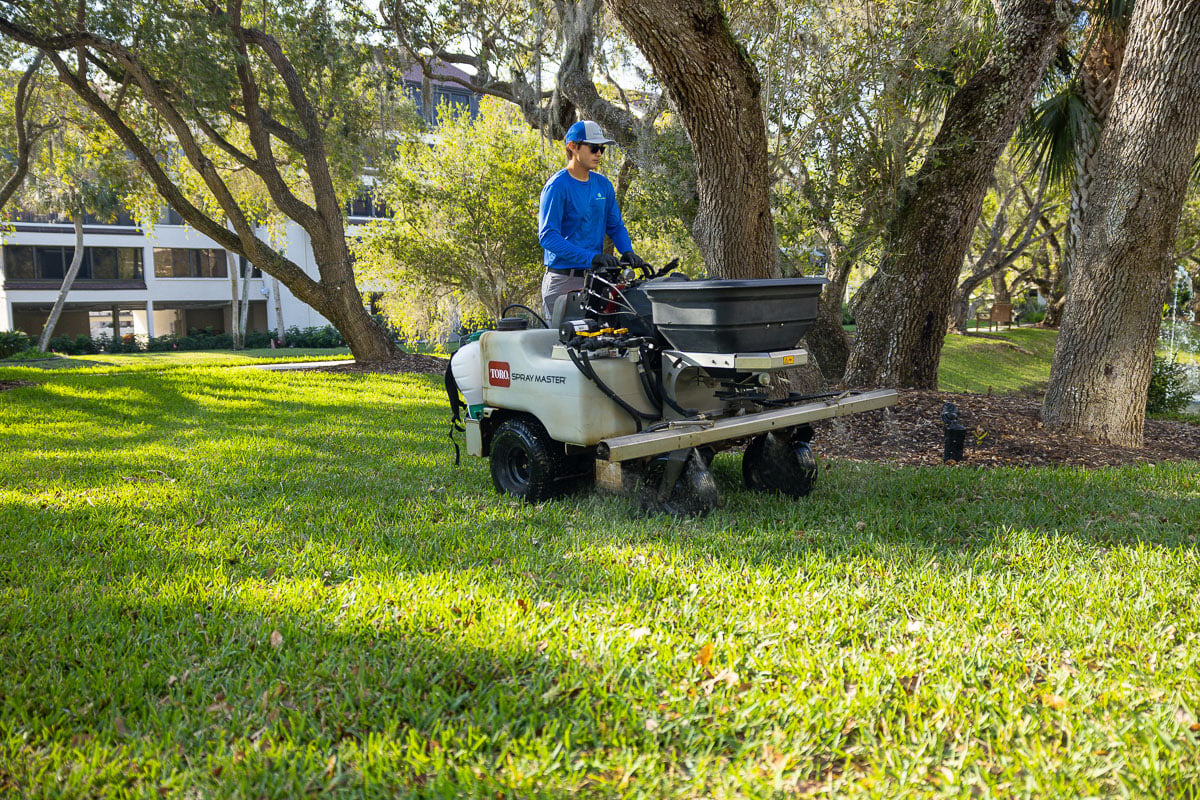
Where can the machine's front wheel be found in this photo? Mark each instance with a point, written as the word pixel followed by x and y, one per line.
pixel 525 461
pixel 774 464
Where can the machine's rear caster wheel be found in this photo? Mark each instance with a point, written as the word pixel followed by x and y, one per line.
pixel 526 462
pixel 693 493
pixel 774 463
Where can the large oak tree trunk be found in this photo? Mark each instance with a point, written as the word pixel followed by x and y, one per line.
pixel 716 90
pixel 1101 369
pixel 902 317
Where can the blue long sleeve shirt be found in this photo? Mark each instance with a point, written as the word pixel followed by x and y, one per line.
pixel 573 218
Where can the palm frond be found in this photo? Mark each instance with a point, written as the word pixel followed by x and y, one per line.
pixel 1050 135
pixel 1196 168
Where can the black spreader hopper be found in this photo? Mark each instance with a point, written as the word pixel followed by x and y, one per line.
pixel 730 316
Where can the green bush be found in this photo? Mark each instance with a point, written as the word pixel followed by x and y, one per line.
pixel 81 345
pixel 12 342
pixel 847 317
pixel 1033 317
pixel 29 354
pixel 1168 393
pixel 326 336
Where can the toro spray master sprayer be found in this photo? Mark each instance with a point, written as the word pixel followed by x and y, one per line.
pixel 639 382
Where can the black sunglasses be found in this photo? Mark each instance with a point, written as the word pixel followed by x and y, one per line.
pixel 595 148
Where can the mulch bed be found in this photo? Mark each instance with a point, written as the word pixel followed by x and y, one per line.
pixel 405 362
pixel 1004 430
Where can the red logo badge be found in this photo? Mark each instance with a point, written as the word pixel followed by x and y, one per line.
pixel 498 374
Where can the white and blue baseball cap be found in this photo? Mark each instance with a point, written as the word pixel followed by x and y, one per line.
pixel 587 131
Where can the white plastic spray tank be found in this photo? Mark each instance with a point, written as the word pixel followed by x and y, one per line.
pixel 467 369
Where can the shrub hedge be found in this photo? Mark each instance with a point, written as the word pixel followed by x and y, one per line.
pixel 207 339
pixel 12 342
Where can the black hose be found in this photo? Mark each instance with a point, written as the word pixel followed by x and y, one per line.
pixel 638 415
pixel 532 313
pixel 585 366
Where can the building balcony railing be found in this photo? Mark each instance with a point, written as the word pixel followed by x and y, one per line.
pixel 27 284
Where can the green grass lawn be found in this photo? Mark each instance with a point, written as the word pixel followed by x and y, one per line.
pixel 1016 360
pixel 234 583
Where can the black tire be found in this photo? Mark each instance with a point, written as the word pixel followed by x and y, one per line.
pixel 526 462
pixel 773 464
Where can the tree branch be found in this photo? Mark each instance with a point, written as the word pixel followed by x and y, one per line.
pixel 27 133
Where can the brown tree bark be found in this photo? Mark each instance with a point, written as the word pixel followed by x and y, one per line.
pixel 716 90
pixel 1101 369
pixel 902 317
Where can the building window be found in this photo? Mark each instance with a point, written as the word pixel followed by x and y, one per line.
pixel 366 204
pixel 458 99
pixel 121 218
pixel 23 262
pixel 191 262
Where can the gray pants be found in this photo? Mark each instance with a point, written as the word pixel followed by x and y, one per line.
pixel 554 286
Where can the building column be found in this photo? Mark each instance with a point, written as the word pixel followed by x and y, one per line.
pixel 149 319
pixel 116 322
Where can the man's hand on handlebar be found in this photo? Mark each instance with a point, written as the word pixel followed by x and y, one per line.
pixel 632 259
pixel 603 261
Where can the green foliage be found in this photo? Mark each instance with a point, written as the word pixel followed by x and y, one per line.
pixel 1049 135
pixel 1168 392
pixel 280 585
pixel 322 336
pixel 12 342
pixel 464 235
pixel 325 336
pixel 81 344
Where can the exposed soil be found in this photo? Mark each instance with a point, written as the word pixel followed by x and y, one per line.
pixel 6 385
pixel 1003 430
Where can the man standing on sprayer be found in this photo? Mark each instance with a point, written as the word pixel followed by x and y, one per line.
pixel 578 208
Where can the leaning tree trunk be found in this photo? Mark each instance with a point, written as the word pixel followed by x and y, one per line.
pixel 68 279
pixel 717 92
pixel 235 308
pixel 902 319
pixel 245 311
pixel 1101 368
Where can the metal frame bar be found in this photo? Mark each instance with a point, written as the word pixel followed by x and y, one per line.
pixel 695 433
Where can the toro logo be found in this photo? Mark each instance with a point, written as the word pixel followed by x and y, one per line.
pixel 498 373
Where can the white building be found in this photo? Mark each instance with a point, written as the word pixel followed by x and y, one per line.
pixel 166 280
